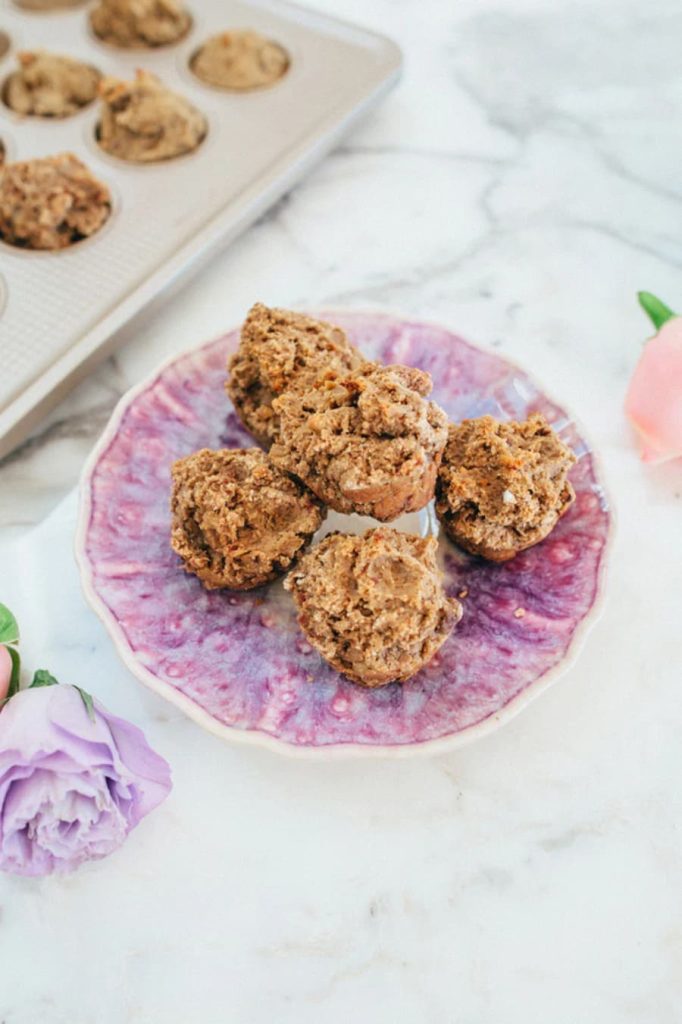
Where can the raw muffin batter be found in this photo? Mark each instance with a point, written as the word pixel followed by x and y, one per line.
pixel 238 521
pixel 367 442
pixel 279 350
pixel 48 85
pixel 50 203
pixel 502 487
pixel 373 606
pixel 142 121
pixel 131 23
pixel 240 60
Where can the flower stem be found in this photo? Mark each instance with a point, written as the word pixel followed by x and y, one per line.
pixel 656 310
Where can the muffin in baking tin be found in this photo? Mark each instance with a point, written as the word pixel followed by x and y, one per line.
pixel 144 122
pixel 51 203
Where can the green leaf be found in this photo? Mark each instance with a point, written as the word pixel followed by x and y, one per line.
pixel 89 703
pixel 14 679
pixel 9 630
pixel 656 310
pixel 43 678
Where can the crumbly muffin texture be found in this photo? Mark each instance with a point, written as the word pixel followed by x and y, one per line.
pixel 368 442
pixel 238 521
pixel 142 121
pixel 139 23
pixel 240 60
pixel 373 606
pixel 281 350
pixel 502 487
pixel 47 5
pixel 50 203
pixel 48 85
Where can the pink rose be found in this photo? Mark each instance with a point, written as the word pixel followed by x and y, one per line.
pixel 9 656
pixel 5 671
pixel 654 399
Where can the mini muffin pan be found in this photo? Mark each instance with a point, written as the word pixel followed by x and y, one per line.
pixel 61 309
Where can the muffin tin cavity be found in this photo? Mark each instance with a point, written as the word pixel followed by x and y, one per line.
pixel 140 24
pixel 47 6
pixel 240 61
pixel 144 122
pixel 49 85
pixel 51 203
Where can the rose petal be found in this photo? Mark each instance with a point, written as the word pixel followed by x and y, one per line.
pixel 654 398
pixel 70 788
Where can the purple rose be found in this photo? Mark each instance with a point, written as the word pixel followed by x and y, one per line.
pixel 72 783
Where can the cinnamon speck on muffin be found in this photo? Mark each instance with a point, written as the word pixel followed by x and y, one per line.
pixel 237 520
pixel 240 60
pixel 142 121
pixel 51 203
pixel 367 442
pixel 502 487
pixel 281 350
pixel 140 23
pixel 373 606
pixel 50 85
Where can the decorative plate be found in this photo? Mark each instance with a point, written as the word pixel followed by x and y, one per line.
pixel 237 663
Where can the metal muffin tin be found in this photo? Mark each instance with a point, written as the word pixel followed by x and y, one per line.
pixel 59 310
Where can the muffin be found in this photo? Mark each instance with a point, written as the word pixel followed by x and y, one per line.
pixel 140 23
pixel 368 442
pixel 47 5
pixel 48 85
pixel 50 203
pixel 240 60
pixel 502 487
pixel 373 606
pixel 142 121
pixel 279 350
pixel 238 521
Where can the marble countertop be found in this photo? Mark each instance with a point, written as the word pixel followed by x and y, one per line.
pixel 520 185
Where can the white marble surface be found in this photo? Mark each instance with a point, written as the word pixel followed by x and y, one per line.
pixel 521 185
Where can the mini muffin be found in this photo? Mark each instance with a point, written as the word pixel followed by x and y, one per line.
pixel 502 487
pixel 240 60
pixel 279 350
pixel 5 43
pixel 47 5
pixel 142 121
pixel 140 23
pixel 47 85
pixel 374 606
pixel 51 203
pixel 367 442
pixel 237 520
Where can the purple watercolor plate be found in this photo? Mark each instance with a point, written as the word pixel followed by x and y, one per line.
pixel 236 662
